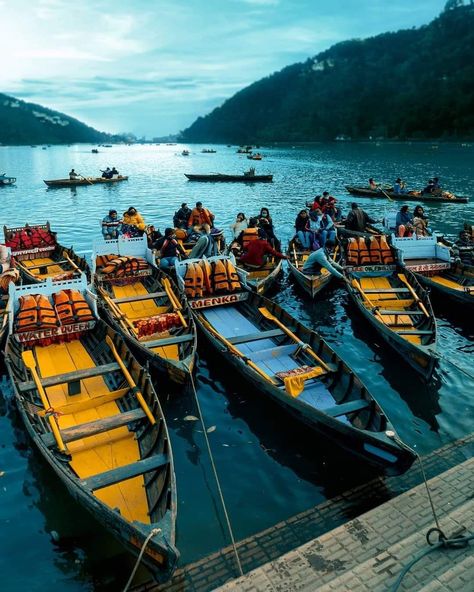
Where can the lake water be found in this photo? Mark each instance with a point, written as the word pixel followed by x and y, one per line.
pixel 269 468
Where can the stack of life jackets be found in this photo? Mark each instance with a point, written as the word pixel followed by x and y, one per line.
pixel 205 278
pixel 72 307
pixel 120 266
pixel 30 237
pixel 157 324
pixel 35 312
pixel 378 252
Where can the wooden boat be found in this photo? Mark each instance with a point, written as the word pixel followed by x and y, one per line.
pixel 219 177
pixel 395 304
pixel 185 153
pixel 84 181
pixel 445 197
pixel 261 279
pixel 431 263
pixel 40 257
pixel 145 308
pixel 208 151
pixel 4 180
pixel 296 369
pixel 93 414
pixel 255 157
pixel 311 284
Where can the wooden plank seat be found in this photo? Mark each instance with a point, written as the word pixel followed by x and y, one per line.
pixel 120 474
pixel 255 336
pixel 71 376
pixel 385 290
pixel 30 267
pixel 92 403
pixel 138 297
pixel 345 408
pixel 168 341
pixel 274 352
pixel 385 311
pixel 92 428
pixel 418 332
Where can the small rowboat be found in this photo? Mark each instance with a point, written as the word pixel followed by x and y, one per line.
pixel 84 181
pixel 297 370
pixel 445 197
pixel 394 303
pixel 4 180
pixel 146 309
pixel 456 283
pixel 47 259
pixel 311 284
pixel 261 279
pixel 94 415
pixel 219 177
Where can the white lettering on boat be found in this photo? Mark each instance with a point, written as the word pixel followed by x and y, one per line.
pixel 27 336
pixel 218 300
pixel 429 266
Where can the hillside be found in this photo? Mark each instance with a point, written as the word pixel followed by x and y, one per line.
pixel 27 123
pixel 416 83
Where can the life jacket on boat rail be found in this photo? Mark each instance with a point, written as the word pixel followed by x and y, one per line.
pixel 206 278
pixel 72 307
pixel 35 312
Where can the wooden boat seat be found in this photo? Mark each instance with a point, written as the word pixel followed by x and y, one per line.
pixel 385 311
pixel 386 290
pixel 71 376
pixel 138 297
pixel 92 428
pixel 31 267
pixel 256 336
pixel 136 309
pixel 346 408
pixel 416 332
pixel 92 403
pixel 125 472
pixel 274 352
pixel 168 341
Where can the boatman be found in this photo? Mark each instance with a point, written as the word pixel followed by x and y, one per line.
pixel 319 259
pixel 200 216
pixel 357 219
pixel 73 175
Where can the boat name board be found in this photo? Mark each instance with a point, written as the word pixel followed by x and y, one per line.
pixel 428 266
pixel 370 268
pixel 34 251
pixel 27 336
pixel 218 300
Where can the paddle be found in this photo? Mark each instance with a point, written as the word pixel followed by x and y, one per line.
pixel 402 277
pixel 295 256
pixel 131 382
pixel 71 262
pixel 85 179
pixel 357 285
pixel 386 194
pixel 29 361
pixel 268 315
pixel 175 303
pixel 116 310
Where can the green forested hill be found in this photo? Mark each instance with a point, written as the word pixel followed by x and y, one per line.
pixel 27 123
pixel 416 83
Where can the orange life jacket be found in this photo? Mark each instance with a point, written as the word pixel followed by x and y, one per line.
pixel 36 312
pixel 193 280
pixel 232 276
pixel 352 252
pixel 364 257
pixel 249 235
pixel 375 254
pixel 102 260
pixel 220 280
pixel 72 307
pixel 180 234
pixel 385 251
pixel 207 276
pixel 41 237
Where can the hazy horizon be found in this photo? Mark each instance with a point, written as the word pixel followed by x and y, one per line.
pixel 152 68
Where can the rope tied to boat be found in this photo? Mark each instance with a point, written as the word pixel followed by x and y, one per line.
pixel 456 541
pixel 153 532
pixel 51 412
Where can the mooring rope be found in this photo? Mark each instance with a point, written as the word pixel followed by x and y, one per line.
pixel 153 533
pixel 444 542
pixel 216 477
pixel 445 359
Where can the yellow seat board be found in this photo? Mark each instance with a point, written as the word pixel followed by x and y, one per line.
pixel 171 352
pixel 102 452
pixel 142 309
pixel 52 269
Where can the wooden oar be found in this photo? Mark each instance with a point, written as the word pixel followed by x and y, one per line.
pixel 235 351
pixel 402 277
pixel 131 382
pixel 357 285
pixel 295 256
pixel 85 179
pixel 29 361
pixel 386 194
pixel 268 315
pixel 175 303
pixel 71 262
pixel 116 310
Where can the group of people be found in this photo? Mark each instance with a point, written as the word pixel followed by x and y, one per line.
pixel 130 224
pixel 109 173
pixel 399 187
pixel 409 223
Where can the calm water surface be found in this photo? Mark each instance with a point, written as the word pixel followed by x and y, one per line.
pixel 270 469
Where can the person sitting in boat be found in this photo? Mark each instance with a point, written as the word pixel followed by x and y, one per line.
pixel 463 248
pixel 399 186
pixel 200 215
pixel 373 185
pixel 257 252
pixel 5 259
pixel 429 188
pixel 114 172
pixel 169 249
pixel 357 219
pixel 420 222
pixel 315 205
pixel 111 225
pixel 7 273
pixel 153 235
pixel 404 222
pixel 240 224
pixel 133 223
pixel 206 245
pixel 333 210
pixel 73 175
pixel 303 229
pixel 436 185
pixel 323 228
pixel 181 216
pixel 319 259
pixel 246 236
pixel 265 222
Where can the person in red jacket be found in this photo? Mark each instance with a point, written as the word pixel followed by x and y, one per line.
pixel 200 216
pixel 258 251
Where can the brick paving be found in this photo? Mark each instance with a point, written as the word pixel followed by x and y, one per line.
pixel 268 546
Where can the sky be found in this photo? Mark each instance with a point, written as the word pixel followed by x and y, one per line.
pixel 151 67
